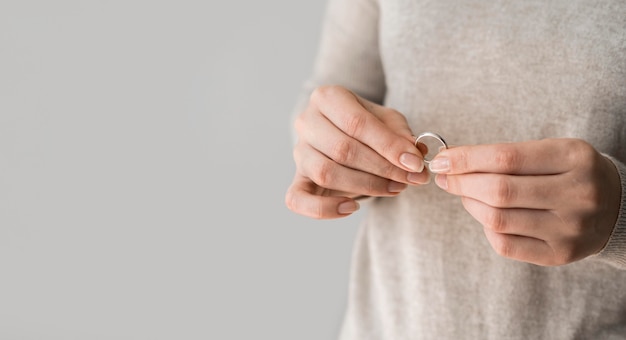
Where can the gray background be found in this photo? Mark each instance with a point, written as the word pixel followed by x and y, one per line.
pixel 144 156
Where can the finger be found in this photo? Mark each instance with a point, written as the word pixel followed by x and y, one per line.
pixel 393 119
pixel 506 191
pixel 305 198
pixel 322 135
pixel 328 174
pixel 542 157
pixel 539 224
pixel 345 111
pixel 521 248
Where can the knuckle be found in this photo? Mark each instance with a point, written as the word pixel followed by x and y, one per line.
pixel 503 246
pixel 578 226
pixel 296 152
pixel 590 196
pixel 495 221
pixel 323 93
pixel 503 192
pixel 294 203
pixel 579 150
pixel 299 124
pixel 323 173
pixel 508 159
pixel 354 123
pixel 388 111
pixel 580 154
pixel 343 151
pixel 584 181
pixel 291 200
pixel 564 256
pixel 371 186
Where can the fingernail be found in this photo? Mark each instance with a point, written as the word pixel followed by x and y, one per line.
pixel 442 181
pixel 412 162
pixel 418 177
pixel 395 187
pixel 348 207
pixel 439 165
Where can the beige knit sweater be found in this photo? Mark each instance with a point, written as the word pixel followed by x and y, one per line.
pixel 480 71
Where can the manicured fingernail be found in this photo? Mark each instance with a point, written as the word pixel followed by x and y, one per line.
pixel 412 162
pixel 348 207
pixel 442 181
pixel 439 165
pixel 395 187
pixel 418 177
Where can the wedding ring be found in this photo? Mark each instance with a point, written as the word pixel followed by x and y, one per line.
pixel 433 142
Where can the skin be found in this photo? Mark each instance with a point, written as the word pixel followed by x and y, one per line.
pixel 349 148
pixel 548 202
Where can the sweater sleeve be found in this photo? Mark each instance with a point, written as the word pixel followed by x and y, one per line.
pixel 348 51
pixel 614 252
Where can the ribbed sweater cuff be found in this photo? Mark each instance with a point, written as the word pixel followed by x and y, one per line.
pixel 614 251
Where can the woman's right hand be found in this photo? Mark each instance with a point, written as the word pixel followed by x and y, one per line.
pixel 347 148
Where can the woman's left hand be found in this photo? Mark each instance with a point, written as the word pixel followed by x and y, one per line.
pixel 547 202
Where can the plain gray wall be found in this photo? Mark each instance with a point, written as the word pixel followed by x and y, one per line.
pixel 144 155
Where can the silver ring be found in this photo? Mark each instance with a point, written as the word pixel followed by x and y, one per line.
pixel 428 157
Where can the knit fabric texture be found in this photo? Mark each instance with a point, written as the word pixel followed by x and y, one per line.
pixel 479 72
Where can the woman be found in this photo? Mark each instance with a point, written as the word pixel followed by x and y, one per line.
pixel 520 233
